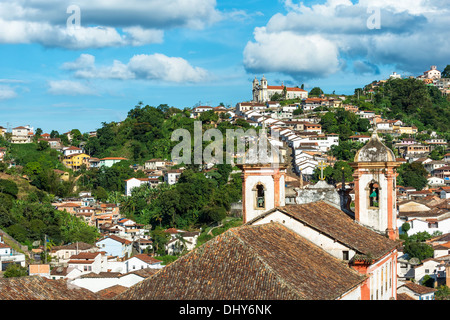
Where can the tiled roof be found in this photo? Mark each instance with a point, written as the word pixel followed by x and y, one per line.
pixel 101 275
pixel 38 288
pixel 417 288
pixel 144 273
pixel 111 292
pixel 146 258
pixel 85 255
pixel 116 238
pixel 114 158
pixel 404 296
pixel 336 224
pixel 74 246
pixel 250 262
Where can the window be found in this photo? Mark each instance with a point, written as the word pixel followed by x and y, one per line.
pixel 345 255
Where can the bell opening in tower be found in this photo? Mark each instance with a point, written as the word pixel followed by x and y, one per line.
pixel 260 201
pixel 374 193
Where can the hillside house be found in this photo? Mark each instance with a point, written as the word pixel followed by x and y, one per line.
pixel 115 246
pixel 154 164
pixel 110 161
pixel 171 176
pixel 417 291
pixel 22 134
pixel 132 183
pixel 88 262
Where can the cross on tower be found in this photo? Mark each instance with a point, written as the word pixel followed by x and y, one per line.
pixel 322 166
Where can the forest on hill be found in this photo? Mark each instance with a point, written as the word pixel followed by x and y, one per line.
pixel 414 102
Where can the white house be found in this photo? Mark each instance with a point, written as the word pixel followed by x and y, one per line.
pixel 384 126
pixel 197 111
pixel 360 138
pixel 395 75
pixel 8 256
pixel 133 183
pixel 61 272
pixel 88 262
pixel 68 151
pixel 154 164
pixel 115 246
pixel 180 240
pixel 445 192
pixel 435 182
pixel 430 225
pixel 22 134
pixel 366 114
pixel 141 261
pixel 62 254
pixel 417 291
pixel 172 176
pixel 433 73
pixel 110 161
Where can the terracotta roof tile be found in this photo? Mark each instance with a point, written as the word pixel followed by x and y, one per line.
pixel 250 262
pixel 38 288
pixel 336 224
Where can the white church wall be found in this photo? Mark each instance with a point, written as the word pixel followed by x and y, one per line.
pixel 373 219
pixel 328 244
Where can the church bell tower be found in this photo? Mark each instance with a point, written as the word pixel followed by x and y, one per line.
pixel 375 187
pixel 263 179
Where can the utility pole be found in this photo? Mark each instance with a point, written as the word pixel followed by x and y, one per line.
pixel 45 248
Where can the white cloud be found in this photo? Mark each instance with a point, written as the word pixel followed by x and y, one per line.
pixel 103 23
pixel 160 67
pixel 147 67
pixel 6 92
pixel 72 88
pixel 291 53
pixel 319 39
pixel 80 38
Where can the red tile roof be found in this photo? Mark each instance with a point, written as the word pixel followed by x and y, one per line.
pixel 266 261
pixel 38 288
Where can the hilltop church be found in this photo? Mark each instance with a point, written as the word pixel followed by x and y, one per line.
pixel 263 92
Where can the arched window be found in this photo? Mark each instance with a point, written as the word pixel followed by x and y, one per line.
pixel 374 194
pixel 260 196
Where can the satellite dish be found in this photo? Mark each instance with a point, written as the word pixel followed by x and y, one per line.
pixel 414 261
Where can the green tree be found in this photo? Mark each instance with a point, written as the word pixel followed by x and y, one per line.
pixel 209 116
pixel 412 175
pixel 405 228
pixel 43 145
pixel 428 281
pixel 316 91
pixel 419 250
pixel 100 194
pixel 446 72
pixel 9 187
pixel 160 238
pixel 442 293
pixel 15 270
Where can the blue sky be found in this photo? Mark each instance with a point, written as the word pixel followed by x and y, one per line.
pixel 57 76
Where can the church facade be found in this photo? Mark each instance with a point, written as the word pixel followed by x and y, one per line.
pixel 262 92
pixel 365 239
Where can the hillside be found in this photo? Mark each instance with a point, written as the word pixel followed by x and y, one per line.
pixel 24 186
pixel 413 102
